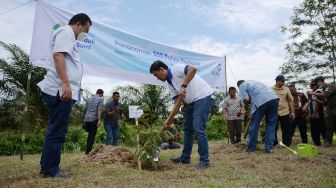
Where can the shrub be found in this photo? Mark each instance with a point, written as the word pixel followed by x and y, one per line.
pixel 217 128
pixel 127 135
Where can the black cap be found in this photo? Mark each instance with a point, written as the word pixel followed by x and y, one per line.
pixel 280 78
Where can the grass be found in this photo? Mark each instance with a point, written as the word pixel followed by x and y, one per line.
pixel 230 167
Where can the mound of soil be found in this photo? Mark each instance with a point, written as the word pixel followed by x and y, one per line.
pixel 230 148
pixel 103 154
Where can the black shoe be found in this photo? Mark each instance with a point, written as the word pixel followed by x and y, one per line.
pixel 202 165
pixel 60 174
pixel 333 158
pixel 178 160
pixel 327 145
pixel 42 172
pixel 269 151
pixel 249 151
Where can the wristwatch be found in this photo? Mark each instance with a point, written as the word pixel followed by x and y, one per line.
pixel 184 85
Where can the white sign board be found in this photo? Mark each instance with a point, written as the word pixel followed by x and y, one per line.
pixel 134 112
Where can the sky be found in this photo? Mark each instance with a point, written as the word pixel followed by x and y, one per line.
pixel 247 32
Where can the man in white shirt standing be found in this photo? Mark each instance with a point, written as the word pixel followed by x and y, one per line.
pixel 61 89
pixel 197 94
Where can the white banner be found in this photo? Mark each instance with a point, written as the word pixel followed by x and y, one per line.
pixel 112 53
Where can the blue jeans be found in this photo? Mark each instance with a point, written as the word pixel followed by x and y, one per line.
pixel 59 113
pixel 194 123
pixel 112 132
pixel 270 111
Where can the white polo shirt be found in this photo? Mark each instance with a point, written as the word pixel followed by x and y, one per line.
pixel 197 88
pixel 63 40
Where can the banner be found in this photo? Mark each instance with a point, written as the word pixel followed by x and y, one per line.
pixel 112 53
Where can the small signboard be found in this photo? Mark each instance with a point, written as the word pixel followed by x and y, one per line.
pixel 134 111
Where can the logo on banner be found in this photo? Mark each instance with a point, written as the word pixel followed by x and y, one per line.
pixel 217 70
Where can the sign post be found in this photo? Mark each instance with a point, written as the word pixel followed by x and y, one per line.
pixel 135 112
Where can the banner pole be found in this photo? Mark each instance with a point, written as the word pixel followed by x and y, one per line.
pixel 225 92
pixel 138 142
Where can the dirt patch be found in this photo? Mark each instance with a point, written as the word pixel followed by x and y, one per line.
pixel 103 154
pixel 110 155
pixel 229 148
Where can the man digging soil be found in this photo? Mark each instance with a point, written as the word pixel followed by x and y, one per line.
pixel 198 97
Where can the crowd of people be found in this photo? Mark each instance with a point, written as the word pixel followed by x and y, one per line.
pixel 285 106
pixel 61 89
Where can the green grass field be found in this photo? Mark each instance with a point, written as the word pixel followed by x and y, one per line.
pixel 230 167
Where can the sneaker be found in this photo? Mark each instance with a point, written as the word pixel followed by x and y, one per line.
pixel 202 166
pixel 179 160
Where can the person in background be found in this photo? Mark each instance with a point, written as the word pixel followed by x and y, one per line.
pixel 113 112
pixel 264 102
pixel 233 114
pixel 316 113
pixel 286 110
pixel 300 100
pixel 92 118
pixel 329 95
pixel 170 138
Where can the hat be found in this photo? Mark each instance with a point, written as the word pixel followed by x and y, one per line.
pixel 280 78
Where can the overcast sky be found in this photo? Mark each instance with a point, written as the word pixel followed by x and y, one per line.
pixel 246 31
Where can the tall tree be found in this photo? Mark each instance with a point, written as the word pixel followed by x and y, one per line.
pixel 13 83
pixel 311 45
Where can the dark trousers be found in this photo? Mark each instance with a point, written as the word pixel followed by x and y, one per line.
pixel 330 127
pixel 235 130
pixel 91 128
pixel 301 122
pixel 285 130
pixel 316 128
pixel 59 113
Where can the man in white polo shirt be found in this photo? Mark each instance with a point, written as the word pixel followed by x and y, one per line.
pixel 61 88
pixel 197 94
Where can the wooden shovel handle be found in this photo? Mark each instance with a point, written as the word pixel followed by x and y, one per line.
pixel 176 108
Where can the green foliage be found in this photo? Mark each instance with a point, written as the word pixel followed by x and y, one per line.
pixel 149 146
pixel 74 142
pixel 75 139
pixel 219 97
pixel 13 85
pixel 127 135
pixel 217 128
pixel 311 43
pixel 153 99
pixel 10 142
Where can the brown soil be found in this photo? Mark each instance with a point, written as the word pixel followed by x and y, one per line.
pixel 110 155
pixel 230 148
pixel 103 154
